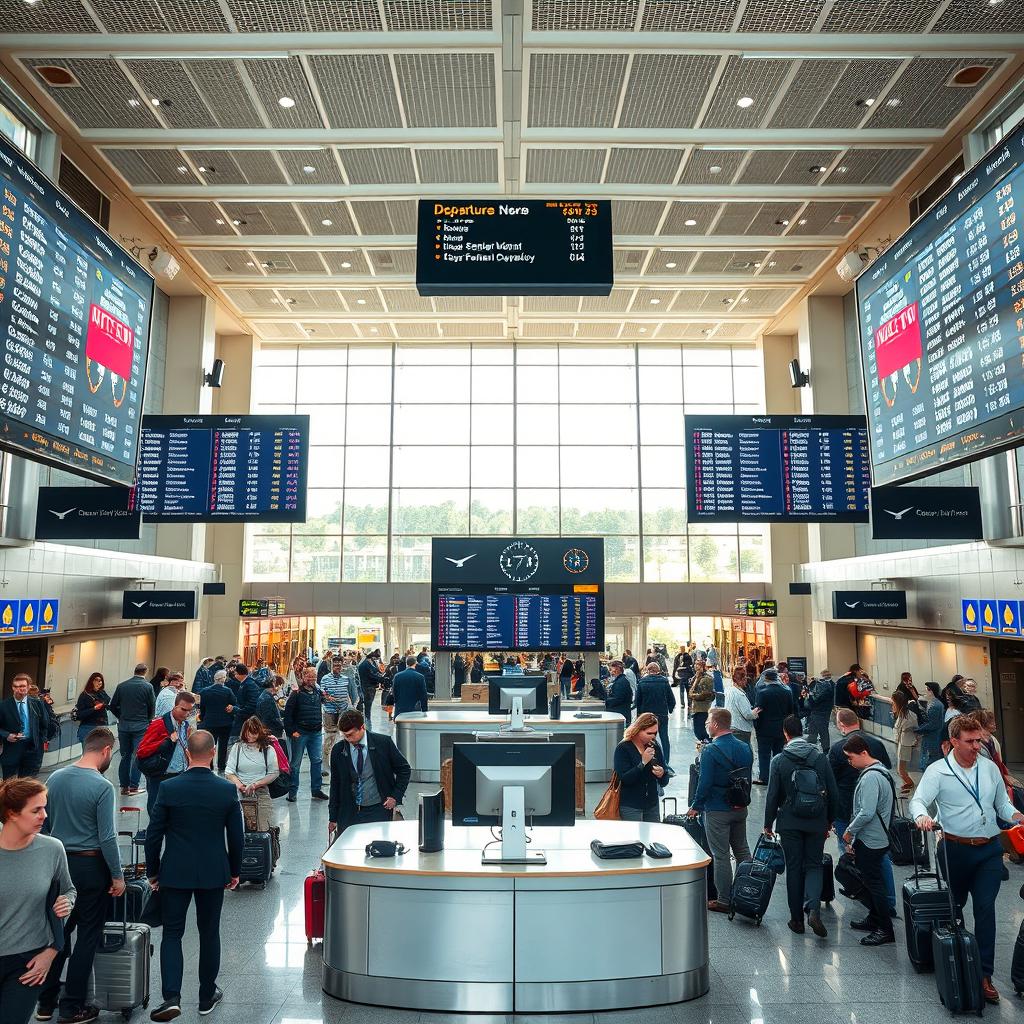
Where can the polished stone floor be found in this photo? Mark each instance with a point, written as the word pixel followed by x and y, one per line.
pixel 760 975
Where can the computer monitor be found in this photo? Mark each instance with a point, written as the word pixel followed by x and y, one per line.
pixel 513 785
pixel 517 695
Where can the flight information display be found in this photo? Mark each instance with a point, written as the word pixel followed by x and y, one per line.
pixel 514 247
pixel 75 313
pixel 196 469
pixel 517 594
pixel 777 469
pixel 941 316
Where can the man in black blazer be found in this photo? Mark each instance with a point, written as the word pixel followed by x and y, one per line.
pixel 773 704
pixel 193 851
pixel 369 775
pixel 216 713
pixel 409 689
pixel 26 723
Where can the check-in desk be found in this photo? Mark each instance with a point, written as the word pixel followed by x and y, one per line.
pixel 426 738
pixel 444 932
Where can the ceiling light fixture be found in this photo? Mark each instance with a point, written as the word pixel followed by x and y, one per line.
pixel 715 169
pixel 373 330
pixel 643 330
pixel 360 302
pixel 327 222
pixel 655 302
pixel 782 223
pixel 867 102
pixel 893 101
pixel 690 222
pixel 346 265
pixel 219 220
pixel 134 102
pixel 802 221
pixel 286 101
pixel 182 169
pixel 155 102
pixel 817 169
pixel 744 101
pixel 309 169
pixel 250 264
pixel 671 266
pixel 843 170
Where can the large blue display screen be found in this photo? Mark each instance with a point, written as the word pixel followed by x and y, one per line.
pixel 777 469
pixel 942 327
pixel 223 469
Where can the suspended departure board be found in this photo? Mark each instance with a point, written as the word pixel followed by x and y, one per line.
pixel 514 247
pixel 195 469
pixel 777 469
pixel 75 314
pixel 941 316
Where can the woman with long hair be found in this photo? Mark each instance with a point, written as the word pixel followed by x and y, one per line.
pixel 91 708
pixel 906 738
pixel 640 768
pixel 157 682
pixel 32 867
pixel 252 766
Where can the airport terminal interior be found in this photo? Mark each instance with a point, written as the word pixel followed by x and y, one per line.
pixel 520 345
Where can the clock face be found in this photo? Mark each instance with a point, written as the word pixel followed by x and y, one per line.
pixel 518 561
pixel 576 560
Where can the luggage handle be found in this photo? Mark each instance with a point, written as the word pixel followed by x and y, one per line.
pixel 664 805
pixel 949 888
pixel 112 946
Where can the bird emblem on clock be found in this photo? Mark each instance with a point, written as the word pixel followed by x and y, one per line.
pixel 519 561
pixel 576 560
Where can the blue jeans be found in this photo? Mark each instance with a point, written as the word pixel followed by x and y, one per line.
pixel 128 740
pixel 83 730
pixel 887 875
pixel 930 750
pixel 311 743
pixel 977 871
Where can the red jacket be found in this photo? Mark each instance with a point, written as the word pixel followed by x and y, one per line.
pixel 156 732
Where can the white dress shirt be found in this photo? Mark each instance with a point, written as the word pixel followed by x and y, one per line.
pixel 737 704
pixel 949 787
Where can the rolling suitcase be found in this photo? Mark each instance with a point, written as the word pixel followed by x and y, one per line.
pixel 925 905
pixel 828 879
pixel 694 828
pixel 1017 966
pixel 315 900
pixel 768 851
pixel 957 961
pixel 906 840
pixel 120 970
pixel 257 858
pixel 751 890
pixel 137 890
pixel 851 881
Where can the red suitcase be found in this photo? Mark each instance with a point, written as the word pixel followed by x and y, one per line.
pixel 316 894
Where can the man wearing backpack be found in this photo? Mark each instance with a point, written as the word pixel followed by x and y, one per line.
pixel 723 794
pixel 867 835
pixel 803 797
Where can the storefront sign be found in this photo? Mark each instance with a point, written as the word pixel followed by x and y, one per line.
pixel 32 617
pixel 992 617
pixel 758 608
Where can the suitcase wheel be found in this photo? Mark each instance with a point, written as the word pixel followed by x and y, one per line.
pixel 731 915
pixel 757 920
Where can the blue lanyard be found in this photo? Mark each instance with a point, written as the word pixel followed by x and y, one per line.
pixel 975 789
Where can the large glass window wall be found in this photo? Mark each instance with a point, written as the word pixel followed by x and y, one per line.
pixel 414 441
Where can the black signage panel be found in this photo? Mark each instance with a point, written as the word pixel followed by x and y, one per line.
pixel 926 513
pixel 797 663
pixel 777 469
pixel 525 594
pixel 514 247
pixel 223 469
pixel 158 604
pixel 75 313
pixel 799 589
pixel 86 513
pixel 941 317
pixel 869 604
pixel 215 589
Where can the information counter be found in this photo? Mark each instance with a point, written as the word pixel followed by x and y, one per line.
pixel 444 932
pixel 426 738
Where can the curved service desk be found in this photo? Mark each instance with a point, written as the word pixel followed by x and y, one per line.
pixel 426 738
pixel 441 931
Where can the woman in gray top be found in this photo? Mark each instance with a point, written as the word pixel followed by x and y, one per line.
pixel 31 867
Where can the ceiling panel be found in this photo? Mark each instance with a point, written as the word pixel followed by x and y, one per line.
pixel 310 166
pixel 254 300
pixel 384 166
pixel 669 261
pixel 469 304
pixel 694 300
pixel 685 332
pixel 274 79
pixel 881 16
pixel 473 330
pixel 253 166
pixel 222 85
pixel 224 262
pixel 181 105
pixel 262 218
pixel 282 331
pixel 711 167
pixel 158 16
pixel 549 329
pixel 692 16
pixel 305 16
pixel 873 166
pixel 829 218
pixel 199 218
pixel 447 90
pixel 397 217
pixel 393 261
pixel 755 79
pixel 791 261
pixel 628 261
pixel 357 89
pixel 636 166
pixel 329 331
pixel 337 213
pixel 550 304
pixel 575 89
pixel 781 15
pixel 417 331
pixel 342 262
pixel 617 301
pixel 584 15
pixel 652 300
pixel 438 166
pixel 313 300
pixel 702 214
pixel 58 16
pixel 151 166
pixel 971 16
pixel 863 80
pixel 636 216
pixel 273 262
pixel 575 165
pixel 406 300
pixel 756 218
pixel 718 262
pixel 438 15
pixel 666 90
pixel 764 300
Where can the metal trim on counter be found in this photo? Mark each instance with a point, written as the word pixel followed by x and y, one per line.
pixel 442 996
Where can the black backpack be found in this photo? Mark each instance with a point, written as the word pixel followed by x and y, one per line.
pixel 737 791
pixel 807 796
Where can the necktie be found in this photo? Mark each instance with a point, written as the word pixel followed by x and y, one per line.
pixel 23 709
pixel 360 762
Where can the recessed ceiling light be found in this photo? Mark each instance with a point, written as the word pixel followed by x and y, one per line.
pixel 134 102
pixel 360 302
pixel 782 223
pixel 182 169
pixel 219 221
pixel 707 330
pixel 727 301
pixel 816 169
pixel 643 330
pixel 655 302
pixel 893 101
pixel 843 170
pixel 238 222
pixel 309 169
pixel 756 265
pixel 771 263
pixel 266 266
pixel 744 101
pixel 671 266
pixel 802 221
pixel 275 301
pixel 155 102
pixel 715 169
pixel 994 3
pixel 690 222
pixel 346 265
pixel 744 299
pixel 373 330
pixel 327 222
pixel 250 264
pixel 867 102
pixel 207 170
pixel 287 102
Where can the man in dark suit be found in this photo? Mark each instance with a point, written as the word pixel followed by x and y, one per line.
pixel 247 692
pixel 369 775
pixel 619 698
pixel 26 723
pixel 193 851
pixel 773 704
pixel 409 688
pixel 216 713
pixel 458 675
pixel 654 695
pixel 370 678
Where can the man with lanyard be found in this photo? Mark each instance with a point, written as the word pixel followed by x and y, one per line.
pixel 970 798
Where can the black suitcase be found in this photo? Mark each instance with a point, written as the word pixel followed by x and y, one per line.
pixel 257 858
pixel 694 828
pixel 851 881
pixel 691 785
pixel 1017 966
pixel 925 905
pixel 957 961
pixel 137 889
pixel 906 840
pixel 828 879
pixel 751 890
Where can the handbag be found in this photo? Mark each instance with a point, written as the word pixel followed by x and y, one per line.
pixel 768 851
pixel 283 782
pixel 616 851
pixel 607 808
pixel 384 848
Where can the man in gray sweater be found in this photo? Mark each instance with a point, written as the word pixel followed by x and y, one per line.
pixel 133 703
pixel 867 834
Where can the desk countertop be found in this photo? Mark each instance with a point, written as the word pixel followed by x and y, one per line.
pixel 481 717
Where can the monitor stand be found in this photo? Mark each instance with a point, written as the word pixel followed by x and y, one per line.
pixel 513 832
pixel 516 723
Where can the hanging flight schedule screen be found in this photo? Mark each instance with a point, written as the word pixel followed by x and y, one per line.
pixel 941 316
pixel 777 469
pixel 75 313
pixel 514 247
pixel 195 469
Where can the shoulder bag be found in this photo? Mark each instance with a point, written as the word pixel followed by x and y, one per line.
pixel 283 782
pixel 608 806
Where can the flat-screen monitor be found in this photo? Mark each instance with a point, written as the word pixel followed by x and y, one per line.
pixel 223 469
pixel 517 594
pixel 514 247
pixel 546 771
pixel 533 691
pixel 777 469
pixel 75 313
pixel 941 317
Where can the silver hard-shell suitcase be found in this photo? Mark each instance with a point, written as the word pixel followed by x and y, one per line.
pixel 121 968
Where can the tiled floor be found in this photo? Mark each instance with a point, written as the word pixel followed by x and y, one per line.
pixel 761 975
